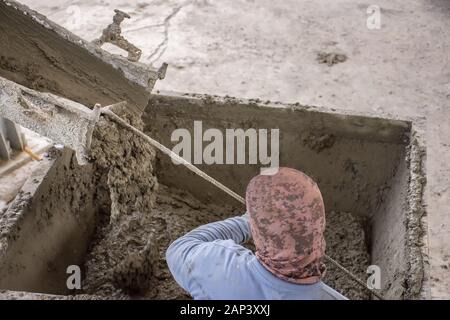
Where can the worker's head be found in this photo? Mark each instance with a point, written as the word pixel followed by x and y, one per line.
pixel 287 220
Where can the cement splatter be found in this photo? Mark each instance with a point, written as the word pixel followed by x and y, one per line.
pixel 318 143
pixel 330 58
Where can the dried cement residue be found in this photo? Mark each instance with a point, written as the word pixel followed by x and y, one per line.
pixel 318 143
pixel 346 244
pixel 330 58
pixel 121 259
pixel 415 223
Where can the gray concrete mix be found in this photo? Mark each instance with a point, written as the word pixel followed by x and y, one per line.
pixel 273 50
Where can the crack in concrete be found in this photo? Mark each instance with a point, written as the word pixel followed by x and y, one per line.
pixel 161 48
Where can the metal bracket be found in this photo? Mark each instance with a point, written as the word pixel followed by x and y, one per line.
pixel 64 121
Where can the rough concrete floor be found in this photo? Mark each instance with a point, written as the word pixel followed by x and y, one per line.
pixel 271 50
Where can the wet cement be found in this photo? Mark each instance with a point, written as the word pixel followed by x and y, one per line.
pixel 127 257
pixel 175 213
pixel 137 220
pixel 346 243
pixel 122 254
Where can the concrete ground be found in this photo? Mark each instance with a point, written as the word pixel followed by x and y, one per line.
pixel 268 50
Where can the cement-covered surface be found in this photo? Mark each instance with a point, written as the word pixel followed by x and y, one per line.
pixel 269 50
pixel 40 233
pixel 43 56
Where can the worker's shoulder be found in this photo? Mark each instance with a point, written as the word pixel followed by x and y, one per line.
pixel 224 253
pixel 330 294
pixel 228 246
pixel 224 271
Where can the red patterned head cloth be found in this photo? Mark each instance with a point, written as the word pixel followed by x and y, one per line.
pixel 287 220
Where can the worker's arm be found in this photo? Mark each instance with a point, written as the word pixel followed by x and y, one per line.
pixel 191 250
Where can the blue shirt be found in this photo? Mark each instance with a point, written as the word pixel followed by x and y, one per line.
pixel 210 263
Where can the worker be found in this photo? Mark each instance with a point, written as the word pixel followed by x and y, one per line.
pixel 286 219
